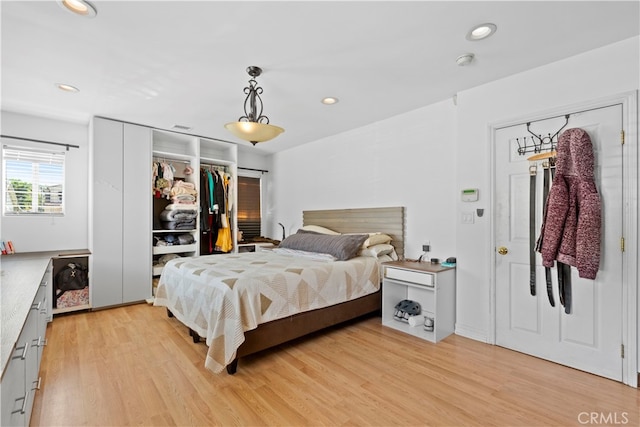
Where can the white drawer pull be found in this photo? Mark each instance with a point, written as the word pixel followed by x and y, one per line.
pixel 24 349
pixel 23 409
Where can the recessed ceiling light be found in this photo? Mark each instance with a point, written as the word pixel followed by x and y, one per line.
pixel 79 7
pixel 329 100
pixel 481 31
pixel 67 88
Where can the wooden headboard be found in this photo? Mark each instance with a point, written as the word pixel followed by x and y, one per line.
pixel 365 220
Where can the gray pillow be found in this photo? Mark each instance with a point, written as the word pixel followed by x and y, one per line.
pixel 343 247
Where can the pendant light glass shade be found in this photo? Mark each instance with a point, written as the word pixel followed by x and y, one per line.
pixel 254 132
pixel 253 126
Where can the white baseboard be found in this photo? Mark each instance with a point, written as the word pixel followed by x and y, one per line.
pixel 472 333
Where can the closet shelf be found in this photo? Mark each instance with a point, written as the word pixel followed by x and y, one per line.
pixel 173 249
pixel 172 156
pixel 206 160
pixel 161 231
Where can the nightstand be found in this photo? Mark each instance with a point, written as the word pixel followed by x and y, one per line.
pixel 254 247
pixel 431 285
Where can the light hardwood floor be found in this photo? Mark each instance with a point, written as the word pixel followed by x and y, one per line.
pixel 135 366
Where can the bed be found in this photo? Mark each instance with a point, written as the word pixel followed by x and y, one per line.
pixel 215 295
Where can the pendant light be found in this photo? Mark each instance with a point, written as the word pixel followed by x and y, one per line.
pixel 253 126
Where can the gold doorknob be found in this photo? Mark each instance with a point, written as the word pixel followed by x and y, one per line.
pixel 503 250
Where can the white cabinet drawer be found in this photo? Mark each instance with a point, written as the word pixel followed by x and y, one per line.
pixel 417 277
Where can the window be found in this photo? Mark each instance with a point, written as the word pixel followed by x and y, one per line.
pixel 33 181
pixel 249 216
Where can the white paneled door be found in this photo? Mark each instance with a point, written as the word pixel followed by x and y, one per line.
pixel 589 338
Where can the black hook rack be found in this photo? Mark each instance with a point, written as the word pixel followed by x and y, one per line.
pixel 540 143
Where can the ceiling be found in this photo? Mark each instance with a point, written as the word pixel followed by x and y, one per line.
pixel 162 63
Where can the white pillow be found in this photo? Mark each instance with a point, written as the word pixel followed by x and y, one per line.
pixel 377 250
pixel 319 229
pixel 376 239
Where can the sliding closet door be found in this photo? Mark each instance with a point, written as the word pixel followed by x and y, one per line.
pixel 136 238
pixel 106 250
pixel 121 260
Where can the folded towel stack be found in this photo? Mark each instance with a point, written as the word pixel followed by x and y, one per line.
pixel 183 193
pixel 179 217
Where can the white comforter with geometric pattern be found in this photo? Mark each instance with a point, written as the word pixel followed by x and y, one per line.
pixel 222 296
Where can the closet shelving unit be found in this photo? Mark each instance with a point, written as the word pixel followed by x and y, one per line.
pixel 187 150
pixel 122 258
pixel 180 151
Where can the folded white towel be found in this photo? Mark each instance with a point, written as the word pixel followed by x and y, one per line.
pixel 182 206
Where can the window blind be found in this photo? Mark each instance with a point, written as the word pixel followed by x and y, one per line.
pixel 33 181
pixel 249 212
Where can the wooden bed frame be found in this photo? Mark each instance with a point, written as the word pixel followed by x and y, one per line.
pixel 385 220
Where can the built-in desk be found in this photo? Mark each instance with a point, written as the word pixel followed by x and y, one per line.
pixel 20 279
pixel 25 294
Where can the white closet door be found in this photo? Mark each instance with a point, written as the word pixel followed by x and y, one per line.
pixel 106 272
pixel 136 241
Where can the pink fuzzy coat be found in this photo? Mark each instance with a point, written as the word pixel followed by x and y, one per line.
pixel 571 228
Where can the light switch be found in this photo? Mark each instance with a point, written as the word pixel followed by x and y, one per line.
pixel 467 217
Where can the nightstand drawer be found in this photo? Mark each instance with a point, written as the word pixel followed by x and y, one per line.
pixel 417 277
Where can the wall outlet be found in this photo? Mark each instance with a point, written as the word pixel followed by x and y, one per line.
pixel 426 248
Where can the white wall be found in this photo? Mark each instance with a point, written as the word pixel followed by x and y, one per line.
pixel 596 74
pixel 422 159
pixel 51 233
pixel 407 160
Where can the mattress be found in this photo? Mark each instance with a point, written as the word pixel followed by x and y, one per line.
pixel 222 296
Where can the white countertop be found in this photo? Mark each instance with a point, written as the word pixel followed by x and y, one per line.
pixel 20 277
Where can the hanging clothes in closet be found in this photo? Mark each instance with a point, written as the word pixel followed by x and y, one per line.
pixel 215 210
pixel 163 177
